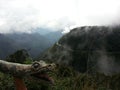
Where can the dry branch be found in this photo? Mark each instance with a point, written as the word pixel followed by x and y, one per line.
pixel 17 69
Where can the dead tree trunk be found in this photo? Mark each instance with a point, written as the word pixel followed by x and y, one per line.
pixel 17 69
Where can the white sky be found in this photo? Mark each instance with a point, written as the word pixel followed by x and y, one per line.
pixel 24 15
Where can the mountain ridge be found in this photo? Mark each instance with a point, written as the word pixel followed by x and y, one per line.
pixel 87 47
pixel 34 43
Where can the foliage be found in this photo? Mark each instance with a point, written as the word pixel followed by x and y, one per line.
pixel 75 49
pixel 67 79
pixel 6 82
pixel 20 56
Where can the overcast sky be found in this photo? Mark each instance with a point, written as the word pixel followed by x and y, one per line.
pixel 24 15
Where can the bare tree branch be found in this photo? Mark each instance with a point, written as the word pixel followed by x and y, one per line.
pixel 17 69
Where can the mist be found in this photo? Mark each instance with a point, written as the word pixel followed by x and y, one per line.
pixel 106 64
pixel 27 15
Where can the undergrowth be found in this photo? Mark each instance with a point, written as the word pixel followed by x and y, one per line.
pixel 67 79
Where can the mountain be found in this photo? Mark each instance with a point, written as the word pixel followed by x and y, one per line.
pixel 6 46
pixel 54 36
pixel 88 48
pixel 42 31
pixel 34 43
pixel 49 34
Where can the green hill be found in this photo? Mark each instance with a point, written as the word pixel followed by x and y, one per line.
pixel 83 48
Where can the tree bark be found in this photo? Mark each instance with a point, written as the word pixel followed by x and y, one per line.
pixel 19 84
pixel 18 71
pixel 15 69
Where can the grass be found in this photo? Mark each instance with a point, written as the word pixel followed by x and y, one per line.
pixel 68 79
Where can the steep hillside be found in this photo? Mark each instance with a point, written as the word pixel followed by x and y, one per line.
pixel 86 48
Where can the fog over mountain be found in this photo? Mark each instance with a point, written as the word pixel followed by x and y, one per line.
pixel 88 48
pixel 28 15
pixel 34 42
pixel 36 24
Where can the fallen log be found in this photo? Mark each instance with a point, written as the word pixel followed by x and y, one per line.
pixel 38 70
pixel 19 70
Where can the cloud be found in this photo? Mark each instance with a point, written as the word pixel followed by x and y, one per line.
pixel 24 15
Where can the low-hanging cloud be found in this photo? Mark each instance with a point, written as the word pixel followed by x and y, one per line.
pixel 25 15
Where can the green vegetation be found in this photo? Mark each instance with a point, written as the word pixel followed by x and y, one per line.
pixel 81 54
pixel 67 79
